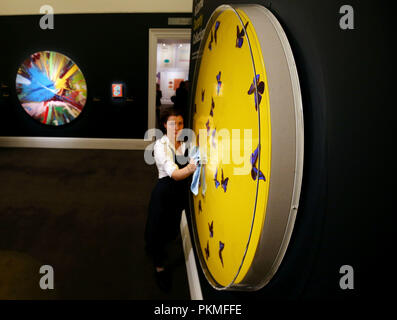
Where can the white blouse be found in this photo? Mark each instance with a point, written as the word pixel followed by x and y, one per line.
pixel 164 156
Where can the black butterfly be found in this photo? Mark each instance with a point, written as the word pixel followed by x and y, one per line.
pixel 207 124
pixel 240 36
pixel 202 94
pixel 217 183
pixel 216 29
pixel 211 227
pixel 212 107
pixel 207 250
pixel 212 39
pixel 255 173
pixel 218 79
pixel 221 247
pixel 260 85
pixel 224 182
pixel 199 207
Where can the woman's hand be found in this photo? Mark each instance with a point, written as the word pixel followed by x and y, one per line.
pixel 183 173
pixel 191 166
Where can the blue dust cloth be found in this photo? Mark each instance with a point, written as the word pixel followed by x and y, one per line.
pixel 195 154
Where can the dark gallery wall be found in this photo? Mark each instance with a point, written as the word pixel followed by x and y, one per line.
pixel 345 213
pixel 106 47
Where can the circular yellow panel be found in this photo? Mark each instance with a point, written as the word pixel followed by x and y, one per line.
pixel 249 123
pixel 232 110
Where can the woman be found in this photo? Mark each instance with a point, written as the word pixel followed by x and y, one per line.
pixel 169 196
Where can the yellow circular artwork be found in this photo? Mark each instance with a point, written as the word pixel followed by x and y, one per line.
pixel 232 121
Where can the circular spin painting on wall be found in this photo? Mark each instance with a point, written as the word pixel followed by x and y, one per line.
pixel 51 88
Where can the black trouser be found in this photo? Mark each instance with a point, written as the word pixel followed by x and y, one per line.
pixel 167 201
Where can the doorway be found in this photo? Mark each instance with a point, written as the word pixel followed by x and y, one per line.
pixel 169 58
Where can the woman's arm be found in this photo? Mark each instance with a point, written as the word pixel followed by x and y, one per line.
pixel 164 163
pixel 180 174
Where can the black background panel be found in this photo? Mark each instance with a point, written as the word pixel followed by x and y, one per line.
pixel 108 48
pixel 345 215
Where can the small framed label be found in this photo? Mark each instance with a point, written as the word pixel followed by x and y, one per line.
pixel 117 90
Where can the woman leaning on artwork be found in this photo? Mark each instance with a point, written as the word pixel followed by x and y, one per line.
pixel 169 196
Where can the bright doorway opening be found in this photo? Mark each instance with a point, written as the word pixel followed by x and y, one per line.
pixel 169 59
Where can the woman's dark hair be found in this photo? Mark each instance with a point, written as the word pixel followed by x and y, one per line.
pixel 165 114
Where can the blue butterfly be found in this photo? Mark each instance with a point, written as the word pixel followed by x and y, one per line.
pixel 217 183
pixel 216 29
pixel 224 182
pixel 213 138
pixel 214 35
pixel 260 85
pixel 207 124
pixel 218 79
pixel 221 247
pixel 240 36
pixel 255 173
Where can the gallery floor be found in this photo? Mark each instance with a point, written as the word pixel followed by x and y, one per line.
pixel 83 212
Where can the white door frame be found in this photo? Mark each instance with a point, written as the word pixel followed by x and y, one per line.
pixel 154 35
